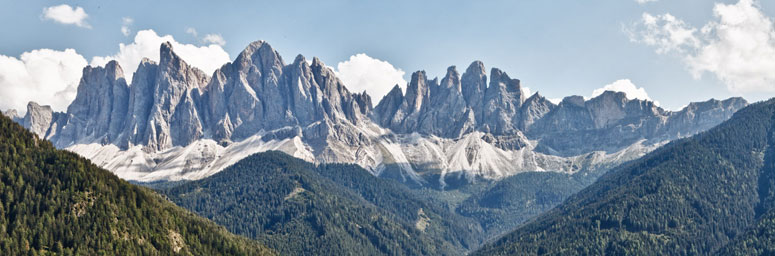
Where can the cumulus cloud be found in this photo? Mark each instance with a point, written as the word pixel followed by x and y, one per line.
pixel 627 87
pixel 364 73
pixel 214 39
pixel 645 1
pixel 146 44
pixel 664 32
pixel 67 15
pixel 125 23
pixel 738 47
pixel 49 77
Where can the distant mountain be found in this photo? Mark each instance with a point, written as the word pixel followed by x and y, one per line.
pixel 708 194
pixel 174 122
pixel 55 202
pixel 298 208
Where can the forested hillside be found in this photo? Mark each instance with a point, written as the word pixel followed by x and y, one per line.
pixel 54 201
pixel 299 208
pixel 691 197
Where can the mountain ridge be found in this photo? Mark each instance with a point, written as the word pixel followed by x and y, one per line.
pixel 692 196
pixel 459 126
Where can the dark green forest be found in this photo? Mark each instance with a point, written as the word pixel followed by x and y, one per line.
pixel 299 208
pixel 56 202
pixel 690 197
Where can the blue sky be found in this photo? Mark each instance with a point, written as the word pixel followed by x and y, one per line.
pixel 558 48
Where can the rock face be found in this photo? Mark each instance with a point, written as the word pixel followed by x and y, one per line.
pixel 175 122
pixel 100 107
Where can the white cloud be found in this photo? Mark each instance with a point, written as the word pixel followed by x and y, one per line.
pixel 192 31
pixel 375 76
pixel 147 44
pixel 125 23
pixel 46 76
pixel 526 91
pixel 738 47
pixel 645 1
pixel 627 87
pixel 67 15
pixel 214 39
pixel 665 32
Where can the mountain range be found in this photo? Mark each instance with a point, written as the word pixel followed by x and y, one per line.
pixel 174 122
pixel 711 194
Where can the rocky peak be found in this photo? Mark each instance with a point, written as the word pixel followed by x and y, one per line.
pixel 114 70
pixel 38 118
pixel 534 108
pixel 386 109
pixel 452 79
pixel 474 84
pixel 699 116
pixel 573 100
pixel 364 102
pixel 174 68
pixel 12 114
pixel 267 59
pixel 499 79
pixel 99 110
pixel 607 108
pixel 502 101
pixel 418 91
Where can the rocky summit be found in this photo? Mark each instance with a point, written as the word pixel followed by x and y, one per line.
pixel 175 122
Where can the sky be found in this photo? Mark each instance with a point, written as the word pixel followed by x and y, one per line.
pixel 672 52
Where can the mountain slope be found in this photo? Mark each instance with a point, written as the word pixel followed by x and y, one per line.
pixel 514 200
pixel 758 240
pixel 298 208
pixel 55 201
pixel 692 196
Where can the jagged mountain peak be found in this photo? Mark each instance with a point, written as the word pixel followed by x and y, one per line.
pixel 573 100
pixel 451 79
pixel 167 55
pixel 299 59
pixel 499 78
pixel 12 114
pixel 114 69
pixel 476 67
pixel 396 89
pixel 261 55
pixel 317 62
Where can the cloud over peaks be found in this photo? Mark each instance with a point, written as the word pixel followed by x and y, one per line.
pixel 146 44
pixel 364 73
pixel 627 87
pixel 47 76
